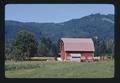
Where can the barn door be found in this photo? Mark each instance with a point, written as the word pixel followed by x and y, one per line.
pixel 75 57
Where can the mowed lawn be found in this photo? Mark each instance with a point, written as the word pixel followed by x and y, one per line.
pixel 54 69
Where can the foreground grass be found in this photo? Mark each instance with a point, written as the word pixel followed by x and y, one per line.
pixel 38 69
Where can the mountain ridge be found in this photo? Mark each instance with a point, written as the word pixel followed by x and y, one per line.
pixel 87 26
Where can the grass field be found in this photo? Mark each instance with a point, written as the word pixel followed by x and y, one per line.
pixel 54 69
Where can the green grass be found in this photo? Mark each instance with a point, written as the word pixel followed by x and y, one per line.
pixel 53 69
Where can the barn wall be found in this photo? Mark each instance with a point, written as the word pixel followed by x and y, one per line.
pixel 87 55
pixel 68 56
pixel 62 51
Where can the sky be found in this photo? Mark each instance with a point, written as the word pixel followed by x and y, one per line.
pixel 53 12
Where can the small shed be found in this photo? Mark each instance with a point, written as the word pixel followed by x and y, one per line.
pixel 76 49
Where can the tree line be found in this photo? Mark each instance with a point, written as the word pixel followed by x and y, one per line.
pixel 103 47
pixel 24 46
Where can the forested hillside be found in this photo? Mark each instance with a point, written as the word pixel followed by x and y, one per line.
pixel 42 39
pixel 88 26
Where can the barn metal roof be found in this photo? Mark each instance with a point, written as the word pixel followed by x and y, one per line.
pixel 78 44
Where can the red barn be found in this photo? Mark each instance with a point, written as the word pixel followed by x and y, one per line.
pixel 76 49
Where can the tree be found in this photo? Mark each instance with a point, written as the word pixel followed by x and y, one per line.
pixel 7 53
pixel 57 49
pixel 101 48
pixel 96 45
pixel 24 45
pixel 110 47
pixel 42 49
pixel 46 47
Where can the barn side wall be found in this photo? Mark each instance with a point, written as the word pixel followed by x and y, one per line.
pixel 85 54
